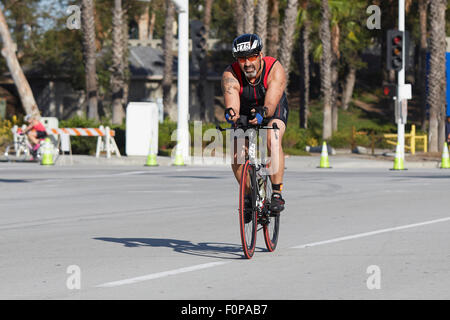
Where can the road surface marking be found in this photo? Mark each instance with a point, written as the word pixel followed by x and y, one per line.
pixel 161 274
pixel 367 234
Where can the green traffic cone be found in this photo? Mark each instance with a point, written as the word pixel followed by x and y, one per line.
pixel 179 161
pixel 151 158
pixel 398 160
pixel 445 163
pixel 47 156
pixel 324 162
pixel 151 161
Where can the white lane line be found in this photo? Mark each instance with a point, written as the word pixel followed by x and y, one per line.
pixel 367 234
pixel 161 274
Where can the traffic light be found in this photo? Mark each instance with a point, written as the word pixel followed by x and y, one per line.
pixel 199 45
pixel 389 90
pixel 394 48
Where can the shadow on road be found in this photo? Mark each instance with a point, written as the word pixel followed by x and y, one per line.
pixel 204 249
pixel 13 180
pixel 197 177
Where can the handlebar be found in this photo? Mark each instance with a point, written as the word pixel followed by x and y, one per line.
pixel 242 123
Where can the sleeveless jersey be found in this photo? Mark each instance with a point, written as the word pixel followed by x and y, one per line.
pixel 39 127
pixel 254 95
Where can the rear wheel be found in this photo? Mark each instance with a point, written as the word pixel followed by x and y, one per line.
pixel 247 215
pixel 272 223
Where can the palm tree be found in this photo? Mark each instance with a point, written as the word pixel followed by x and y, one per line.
pixel 289 24
pixel 168 60
pixel 423 8
pixel 117 68
pixel 239 16
pixel 206 112
pixel 304 63
pixel 261 21
pixel 89 53
pixel 349 85
pixel 274 26
pixel 325 69
pixel 436 78
pixel 249 13
pixel 335 36
pixel 23 87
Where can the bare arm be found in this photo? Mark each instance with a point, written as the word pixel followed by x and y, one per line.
pixel 30 126
pixel 276 85
pixel 230 89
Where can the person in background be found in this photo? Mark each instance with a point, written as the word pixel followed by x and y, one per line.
pixel 35 131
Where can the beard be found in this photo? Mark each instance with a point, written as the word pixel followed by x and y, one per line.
pixel 250 74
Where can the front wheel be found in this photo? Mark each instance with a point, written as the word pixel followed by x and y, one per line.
pixel 272 223
pixel 16 152
pixel 247 214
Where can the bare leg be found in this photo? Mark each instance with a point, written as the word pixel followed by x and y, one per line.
pixel 238 164
pixel 32 137
pixel 275 150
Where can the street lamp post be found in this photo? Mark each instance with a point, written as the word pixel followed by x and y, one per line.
pixel 182 148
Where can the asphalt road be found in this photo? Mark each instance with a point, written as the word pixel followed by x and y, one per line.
pixel 133 232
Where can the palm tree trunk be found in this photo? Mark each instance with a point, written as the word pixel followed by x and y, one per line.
pixel 117 68
pixel 249 13
pixel 206 112
pixel 335 35
pixel 325 70
pixel 168 61
pixel 23 87
pixel 423 6
pixel 88 28
pixel 289 24
pixel 239 16
pixel 348 87
pixel 125 55
pixel 274 27
pixel 261 21
pixel 304 63
pixel 437 83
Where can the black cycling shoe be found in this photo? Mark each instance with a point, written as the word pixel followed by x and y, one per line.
pixel 248 210
pixel 276 203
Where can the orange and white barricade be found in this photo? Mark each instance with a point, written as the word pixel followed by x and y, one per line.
pixel 105 138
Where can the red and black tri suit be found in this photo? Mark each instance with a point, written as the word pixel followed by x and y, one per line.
pixel 253 95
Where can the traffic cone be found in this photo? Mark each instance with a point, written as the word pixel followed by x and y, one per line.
pixel 151 158
pixel 179 160
pixel 47 155
pixel 398 160
pixel 445 163
pixel 324 162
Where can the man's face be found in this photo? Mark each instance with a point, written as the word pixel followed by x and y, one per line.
pixel 250 65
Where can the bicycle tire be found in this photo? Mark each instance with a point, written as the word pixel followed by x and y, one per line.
pixel 248 229
pixel 272 226
pixel 11 154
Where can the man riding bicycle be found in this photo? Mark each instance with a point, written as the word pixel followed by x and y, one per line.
pixel 35 131
pixel 252 82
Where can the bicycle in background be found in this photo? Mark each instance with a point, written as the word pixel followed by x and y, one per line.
pixel 21 149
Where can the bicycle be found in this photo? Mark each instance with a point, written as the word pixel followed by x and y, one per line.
pixel 22 149
pixel 253 177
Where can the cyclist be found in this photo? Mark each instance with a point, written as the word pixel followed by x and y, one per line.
pixel 254 81
pixel 35 131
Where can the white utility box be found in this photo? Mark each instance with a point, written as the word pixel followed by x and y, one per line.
pixel 142 129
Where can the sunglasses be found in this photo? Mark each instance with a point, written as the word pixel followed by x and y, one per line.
pixel 251 58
